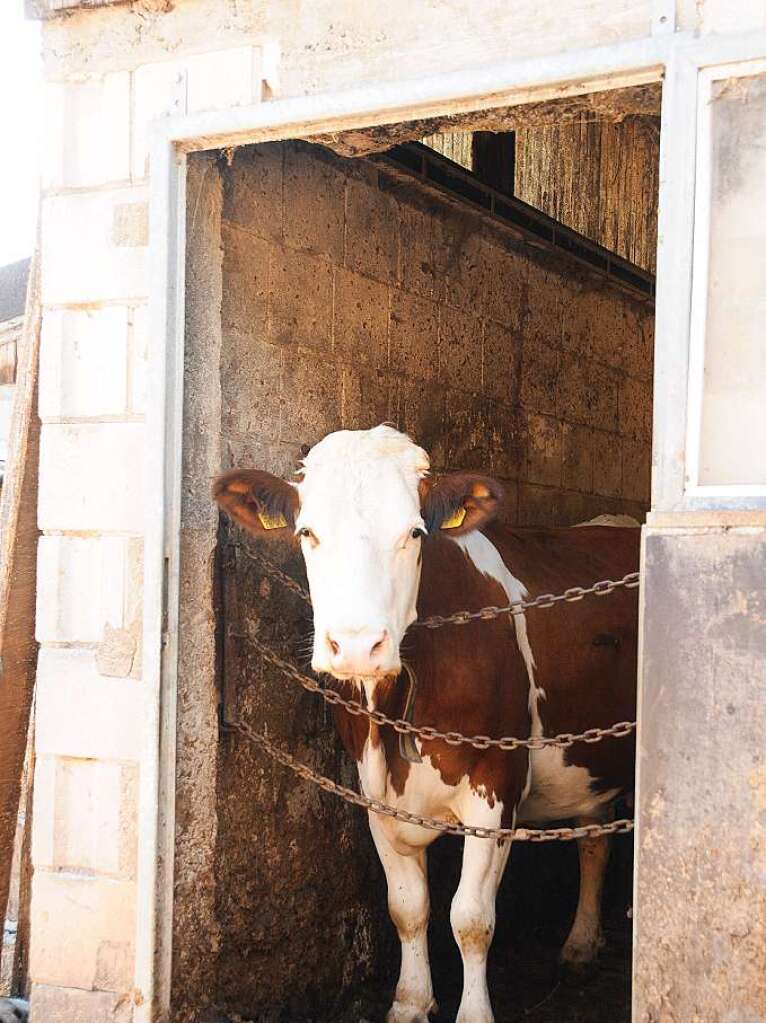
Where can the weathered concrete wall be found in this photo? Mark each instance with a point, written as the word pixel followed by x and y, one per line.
pixel 325 45
pixel 700 929
pixel 194 961
pixel 326 293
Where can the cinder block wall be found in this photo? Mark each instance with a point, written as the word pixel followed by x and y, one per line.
pixel 324 293
pixel 352 296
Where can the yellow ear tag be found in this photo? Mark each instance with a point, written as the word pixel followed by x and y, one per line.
pixel 456 520
pixel 272 521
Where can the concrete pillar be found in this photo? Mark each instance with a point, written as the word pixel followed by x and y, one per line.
pixel 700 891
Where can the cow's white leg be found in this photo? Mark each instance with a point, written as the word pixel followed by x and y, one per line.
pixel 409 906
pixel 585 940
pixel 473 922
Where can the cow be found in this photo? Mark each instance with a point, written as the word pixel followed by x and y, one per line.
pixel 385 541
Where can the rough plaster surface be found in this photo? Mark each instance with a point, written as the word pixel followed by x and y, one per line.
pixel 195 926
pixel 326 45
pixel 325 293
pixel 702 844
pixel 703 16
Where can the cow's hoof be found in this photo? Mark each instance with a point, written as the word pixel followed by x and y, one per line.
pixel 403 1012
pixel 581 954
pixel 577 966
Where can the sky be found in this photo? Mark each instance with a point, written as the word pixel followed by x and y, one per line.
pixel 20 130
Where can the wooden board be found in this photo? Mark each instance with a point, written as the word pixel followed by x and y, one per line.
pixel 18 578
pixel 599 178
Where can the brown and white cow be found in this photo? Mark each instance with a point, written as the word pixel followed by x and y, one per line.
pixel 385 542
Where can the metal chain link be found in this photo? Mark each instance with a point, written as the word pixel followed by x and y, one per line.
pixel 564 740
pixel 432 823
pixel 516 607
pixel 287 580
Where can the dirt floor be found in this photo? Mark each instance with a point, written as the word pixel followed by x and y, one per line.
pixel 535 907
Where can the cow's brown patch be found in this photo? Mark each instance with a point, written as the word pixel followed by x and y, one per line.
pixel 473 679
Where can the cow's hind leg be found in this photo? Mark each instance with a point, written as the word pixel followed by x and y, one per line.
pixel 409 906
pixel 585 939
pixel 473 921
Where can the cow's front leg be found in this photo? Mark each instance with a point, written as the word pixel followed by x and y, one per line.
pixel 473 921
pixel 585 940
pixel 409 906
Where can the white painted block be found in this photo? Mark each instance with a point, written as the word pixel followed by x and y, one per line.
pixel 221 79
pixel 139 358
pixel 724 16
pixel 83 931
pixel 91 477
pixel 80 713
pixel 80 829
pixel 215 80
pixel 159 90
pixel 87 132
pixel 84 362
pixel 81 585
pixel 84 254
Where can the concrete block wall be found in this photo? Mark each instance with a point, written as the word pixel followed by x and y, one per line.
pixel 92 707
pixel 351 296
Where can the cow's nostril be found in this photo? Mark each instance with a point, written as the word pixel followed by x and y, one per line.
pixel 378 646
pixel 333 646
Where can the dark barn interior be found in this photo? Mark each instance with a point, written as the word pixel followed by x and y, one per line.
pixel 488 289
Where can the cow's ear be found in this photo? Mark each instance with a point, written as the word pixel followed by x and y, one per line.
pixel 459 503
pixel 264 504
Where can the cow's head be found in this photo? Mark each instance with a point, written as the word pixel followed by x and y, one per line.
pixel 361 509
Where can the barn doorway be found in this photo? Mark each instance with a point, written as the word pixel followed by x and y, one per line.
pixel 489 289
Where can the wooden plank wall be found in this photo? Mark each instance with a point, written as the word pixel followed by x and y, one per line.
pixel 455 145
pixel 599 178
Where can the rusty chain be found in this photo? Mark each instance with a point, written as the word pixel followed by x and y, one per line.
pixel 432 823
pixel 428 732
pixel 516 607
pixel 564 740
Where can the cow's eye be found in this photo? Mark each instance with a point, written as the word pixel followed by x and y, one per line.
pixel 418 533
pixel 305 534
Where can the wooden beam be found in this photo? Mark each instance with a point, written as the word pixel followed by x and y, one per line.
pixel 18 578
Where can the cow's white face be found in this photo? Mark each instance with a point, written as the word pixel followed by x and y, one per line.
pixel 361 527
pixel 360 510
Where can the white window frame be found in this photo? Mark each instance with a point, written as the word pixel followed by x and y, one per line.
pixel 709 493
